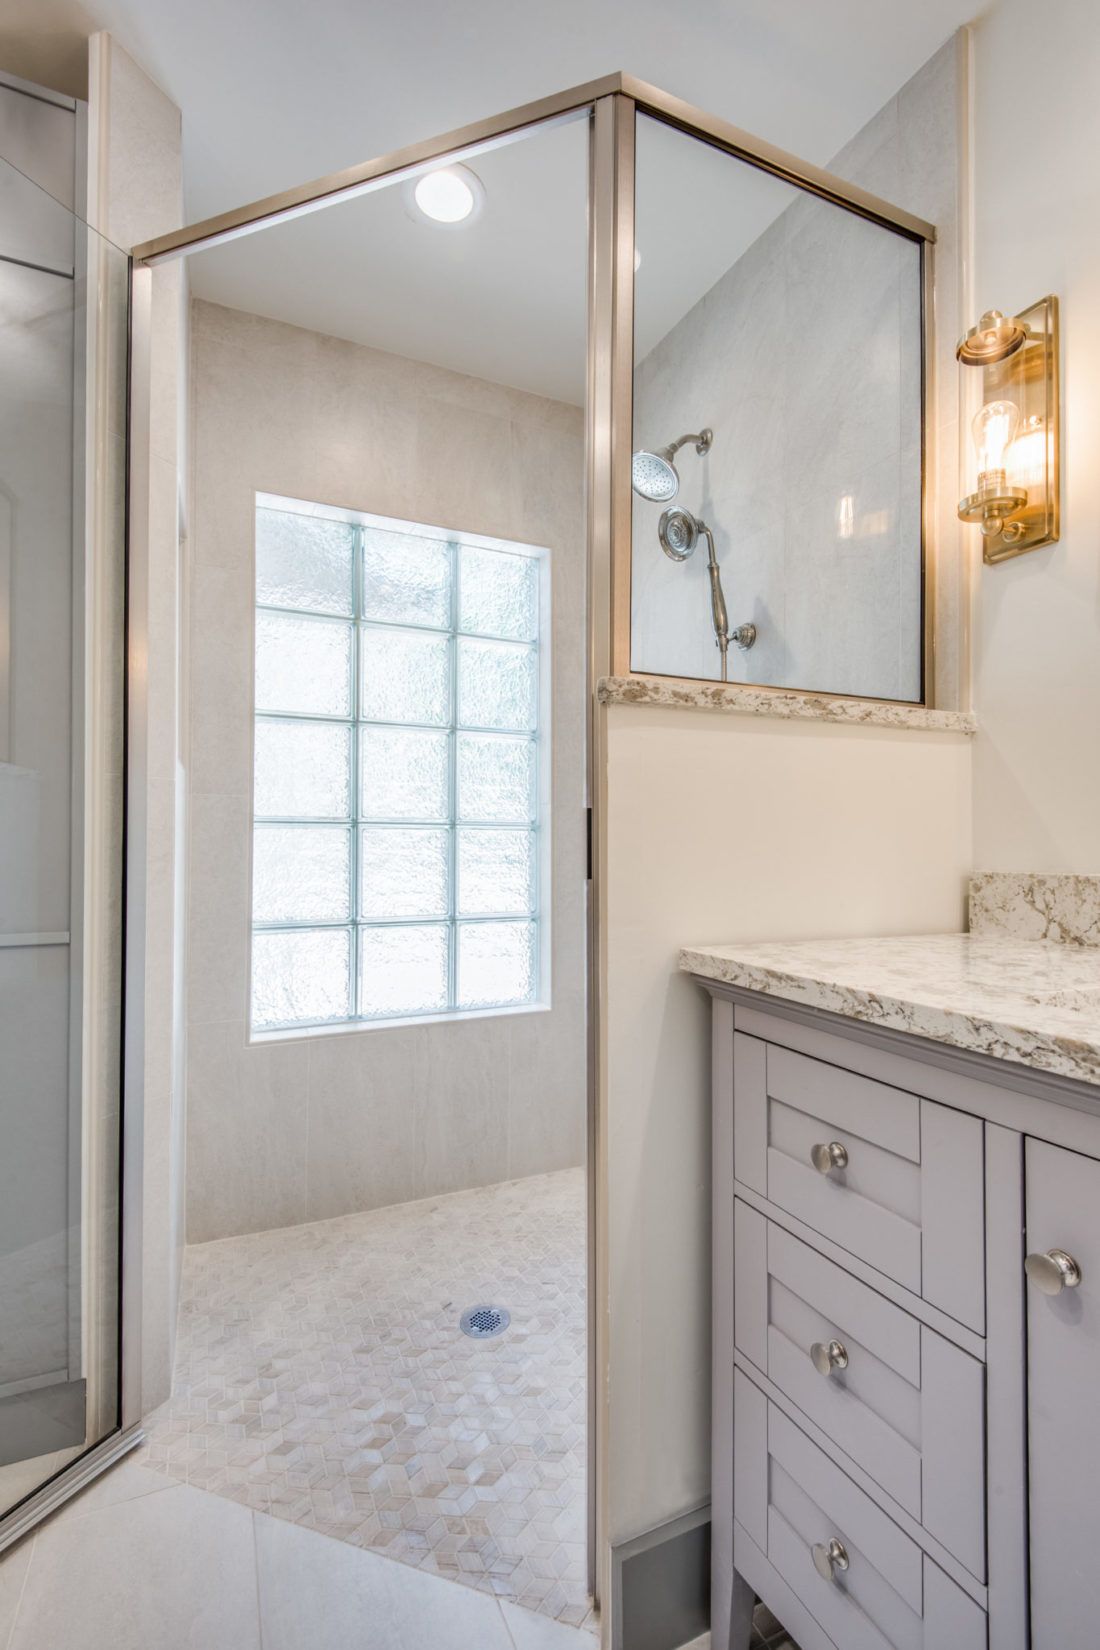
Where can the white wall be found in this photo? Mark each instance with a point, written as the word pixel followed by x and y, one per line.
pixel 1037 619
pixel 288 1131
pixel 757 829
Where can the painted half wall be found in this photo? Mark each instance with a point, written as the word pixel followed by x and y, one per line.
pixel 758 829
pixel 755 829
pixel 1037 619
pixel 288 1131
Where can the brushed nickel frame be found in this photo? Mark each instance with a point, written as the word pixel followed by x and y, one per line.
pixel 507 127
pixel 610 254
pixel 76 1475
pixel 611 105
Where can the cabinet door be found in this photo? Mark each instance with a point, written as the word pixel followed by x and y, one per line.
pixel 1063 1331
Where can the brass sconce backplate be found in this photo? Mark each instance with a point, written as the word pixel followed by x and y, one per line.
pixel 1029 378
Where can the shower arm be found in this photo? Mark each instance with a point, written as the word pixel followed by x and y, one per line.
pixel 700 440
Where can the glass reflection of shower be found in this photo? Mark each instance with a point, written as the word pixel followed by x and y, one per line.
pixel 655 478
pixel 812 479
pixel 63 420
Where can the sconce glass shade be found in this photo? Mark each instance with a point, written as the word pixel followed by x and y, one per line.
pixel 1008 383
pixel 993 427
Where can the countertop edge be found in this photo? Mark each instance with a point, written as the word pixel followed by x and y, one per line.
pixel 784 704
pixel 1000 1040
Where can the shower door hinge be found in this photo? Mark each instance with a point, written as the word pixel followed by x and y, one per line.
pixel 588 843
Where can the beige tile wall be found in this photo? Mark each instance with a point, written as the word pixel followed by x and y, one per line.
pixel 323 1125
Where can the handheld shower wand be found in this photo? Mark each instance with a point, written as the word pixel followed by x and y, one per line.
pixel 679 532
pixel 718 602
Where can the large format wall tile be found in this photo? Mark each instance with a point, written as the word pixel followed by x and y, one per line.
pixel 327 1124
pixel 246 1133
pixel 363 1120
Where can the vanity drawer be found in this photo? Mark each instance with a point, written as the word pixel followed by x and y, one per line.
pixel 878 1590
pixel 893 1178
pixel 905 1404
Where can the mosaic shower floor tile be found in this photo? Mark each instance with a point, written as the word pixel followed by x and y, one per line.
pixel 321 1376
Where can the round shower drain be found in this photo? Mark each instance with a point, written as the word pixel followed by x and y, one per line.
pixel 483 1321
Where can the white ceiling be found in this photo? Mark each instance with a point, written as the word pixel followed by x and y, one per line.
pixel 275 92
pixel 502 297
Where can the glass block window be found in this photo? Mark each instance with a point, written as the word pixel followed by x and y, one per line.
pixel 397 838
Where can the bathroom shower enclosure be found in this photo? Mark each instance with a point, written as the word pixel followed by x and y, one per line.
pixel 68 1391
pixel 845 376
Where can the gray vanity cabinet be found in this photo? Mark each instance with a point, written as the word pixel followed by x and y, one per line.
pixel 1063 1404
pixel 906 1426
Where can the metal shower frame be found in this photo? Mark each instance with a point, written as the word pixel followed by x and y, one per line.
pixel 610 105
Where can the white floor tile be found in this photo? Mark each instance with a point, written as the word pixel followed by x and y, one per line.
pixel 328 1595
pixel 535 1632
pixel 13 1573
pixel 125 1481
pixel 174 1570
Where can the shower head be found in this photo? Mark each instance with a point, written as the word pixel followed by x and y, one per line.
pixel 653 475
pixel 678 532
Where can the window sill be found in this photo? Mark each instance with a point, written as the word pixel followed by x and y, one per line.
pixel 349 1028
pixel 786 703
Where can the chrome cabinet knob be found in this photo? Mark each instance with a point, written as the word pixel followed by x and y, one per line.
pixel 829 1558
pixel 827 1158
pixel 1053 1271
pixel 826 1357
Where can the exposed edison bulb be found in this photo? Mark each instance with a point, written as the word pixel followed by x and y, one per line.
pixel 993 429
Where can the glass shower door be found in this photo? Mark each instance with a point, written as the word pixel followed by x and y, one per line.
pixel 62 659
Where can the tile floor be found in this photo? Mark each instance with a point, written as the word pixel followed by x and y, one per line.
pixel 322 1378
pixel 138 1562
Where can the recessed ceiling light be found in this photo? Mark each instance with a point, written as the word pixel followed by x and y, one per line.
pixel 449 195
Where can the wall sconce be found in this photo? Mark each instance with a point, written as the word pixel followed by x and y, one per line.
pixel 1008 407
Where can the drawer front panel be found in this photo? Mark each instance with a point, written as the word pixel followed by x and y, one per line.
pixel 872 1111
pixel 906 1405
pixel 895 1179
pixel 871 1205
pixel 890 1596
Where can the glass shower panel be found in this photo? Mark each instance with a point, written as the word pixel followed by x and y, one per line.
pixel 63 322
pixel 783 337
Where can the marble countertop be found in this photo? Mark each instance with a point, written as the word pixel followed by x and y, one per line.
pixel 788 704
pixel 1033 1002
